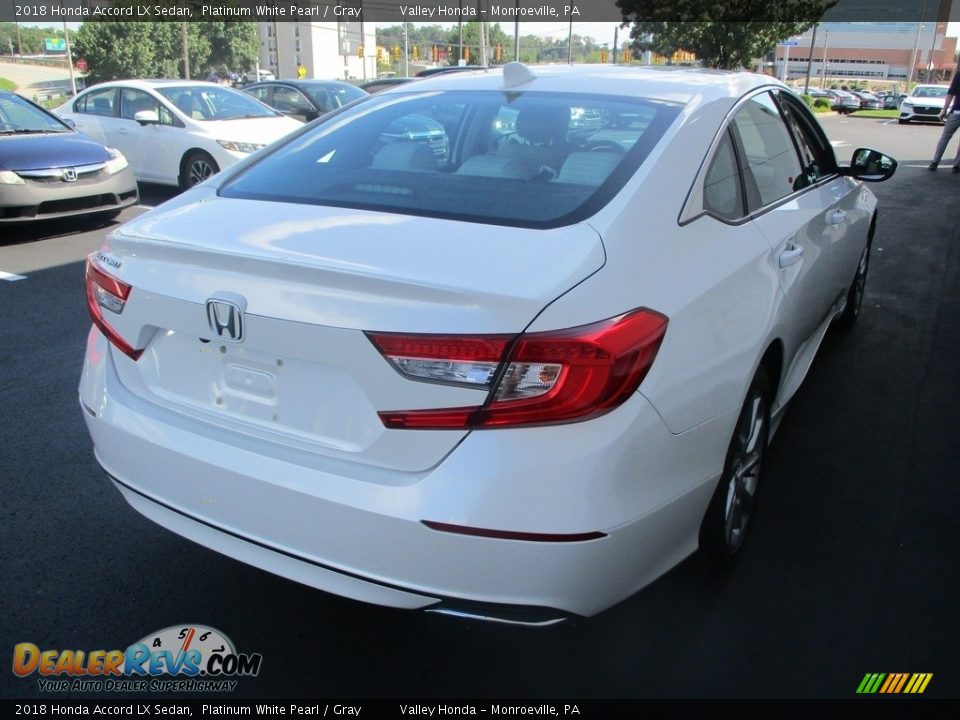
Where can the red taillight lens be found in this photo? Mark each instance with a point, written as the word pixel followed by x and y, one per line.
pixel 547 378
pixel 105 292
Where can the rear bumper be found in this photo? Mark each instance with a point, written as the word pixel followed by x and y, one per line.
pixel 624 475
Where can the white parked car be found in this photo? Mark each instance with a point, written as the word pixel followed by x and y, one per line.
pixel 519 380
pixel 925 102
pixel 175 132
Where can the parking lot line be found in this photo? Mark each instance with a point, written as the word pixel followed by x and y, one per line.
pixel 10 277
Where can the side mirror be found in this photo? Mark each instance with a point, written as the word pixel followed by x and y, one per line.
pixel 70 122
pixel 147 117
pixel 870 166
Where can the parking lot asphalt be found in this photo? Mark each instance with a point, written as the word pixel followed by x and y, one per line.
pixel 852 567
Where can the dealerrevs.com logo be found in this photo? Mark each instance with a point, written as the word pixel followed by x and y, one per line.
pixel 180 658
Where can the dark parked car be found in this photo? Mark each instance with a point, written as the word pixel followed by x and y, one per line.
pixel 49 170
pixel 843 102
pixel 891 100
pixel 867 100
pixel 305 100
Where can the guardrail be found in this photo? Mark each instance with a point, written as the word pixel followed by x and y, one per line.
pixel 44 61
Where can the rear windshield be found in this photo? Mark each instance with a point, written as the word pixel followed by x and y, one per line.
pixel 525 159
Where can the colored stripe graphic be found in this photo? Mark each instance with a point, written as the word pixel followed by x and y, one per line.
pixel 894 683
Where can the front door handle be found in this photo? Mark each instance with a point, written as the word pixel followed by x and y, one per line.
pixel 836 217
pixel 122 131
pixel 791 256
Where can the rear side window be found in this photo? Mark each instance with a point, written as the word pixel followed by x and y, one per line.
pixel 525 159
pixel 722 191
pixel 771 164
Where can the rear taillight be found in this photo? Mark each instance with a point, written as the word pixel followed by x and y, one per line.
pixel 537 379
pixel 105 292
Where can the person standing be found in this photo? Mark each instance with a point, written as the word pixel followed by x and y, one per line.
pixel 951 117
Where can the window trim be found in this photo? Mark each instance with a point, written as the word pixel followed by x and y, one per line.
pixel 693 206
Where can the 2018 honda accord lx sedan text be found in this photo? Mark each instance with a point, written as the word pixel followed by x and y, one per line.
pixel 518 380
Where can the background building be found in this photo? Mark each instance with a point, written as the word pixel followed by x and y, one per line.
pixel 873 51
pixel 328 50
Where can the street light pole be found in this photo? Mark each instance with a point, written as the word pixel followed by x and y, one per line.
pixel 823 70
pixel 916 47
pixel 813 42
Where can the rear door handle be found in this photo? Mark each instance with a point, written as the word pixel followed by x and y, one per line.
pixel 836 217
pixel 122 131
pixel 791 256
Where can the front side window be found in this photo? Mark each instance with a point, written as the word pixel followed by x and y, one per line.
pixel 288 100
pixel 210 102
pixel 816 154
pixel 771 165
pixel 526 159
pixel 334 96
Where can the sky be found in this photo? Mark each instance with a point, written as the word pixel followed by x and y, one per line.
pixel 602 32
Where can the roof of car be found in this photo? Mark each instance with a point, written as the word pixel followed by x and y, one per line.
pixel 677 84
pixel 154 82
pixel 305 82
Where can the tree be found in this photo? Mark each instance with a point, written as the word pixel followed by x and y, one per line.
pixel 726 35
pixel 233 45
pixel 118 49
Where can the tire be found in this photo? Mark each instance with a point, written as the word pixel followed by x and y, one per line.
pixel 725 526
pixel 197 167
pixel 848 318
pixel 903 122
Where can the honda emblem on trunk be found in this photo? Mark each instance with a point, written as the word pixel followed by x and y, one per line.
pixel 226 318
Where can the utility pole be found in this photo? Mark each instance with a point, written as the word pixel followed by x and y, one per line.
pixel 186 51
pixel 406 51
pixel 570 42
pixel 19 44
pixel 516 34
pixel 276 49
pixel 73 80
pixel 813 42
pixel 460 28
pixel 483 43
pixel 616 47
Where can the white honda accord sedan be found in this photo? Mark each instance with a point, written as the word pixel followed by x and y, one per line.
pixel 518 380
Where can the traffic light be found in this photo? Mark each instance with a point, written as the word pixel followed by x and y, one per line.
pixel 416 52
pixel 435 54
pixel 498 53
pixel 396 53
pixel 360 51
pixel 604 56
pixel 381 55
pixel 466 54
pixel 627 56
